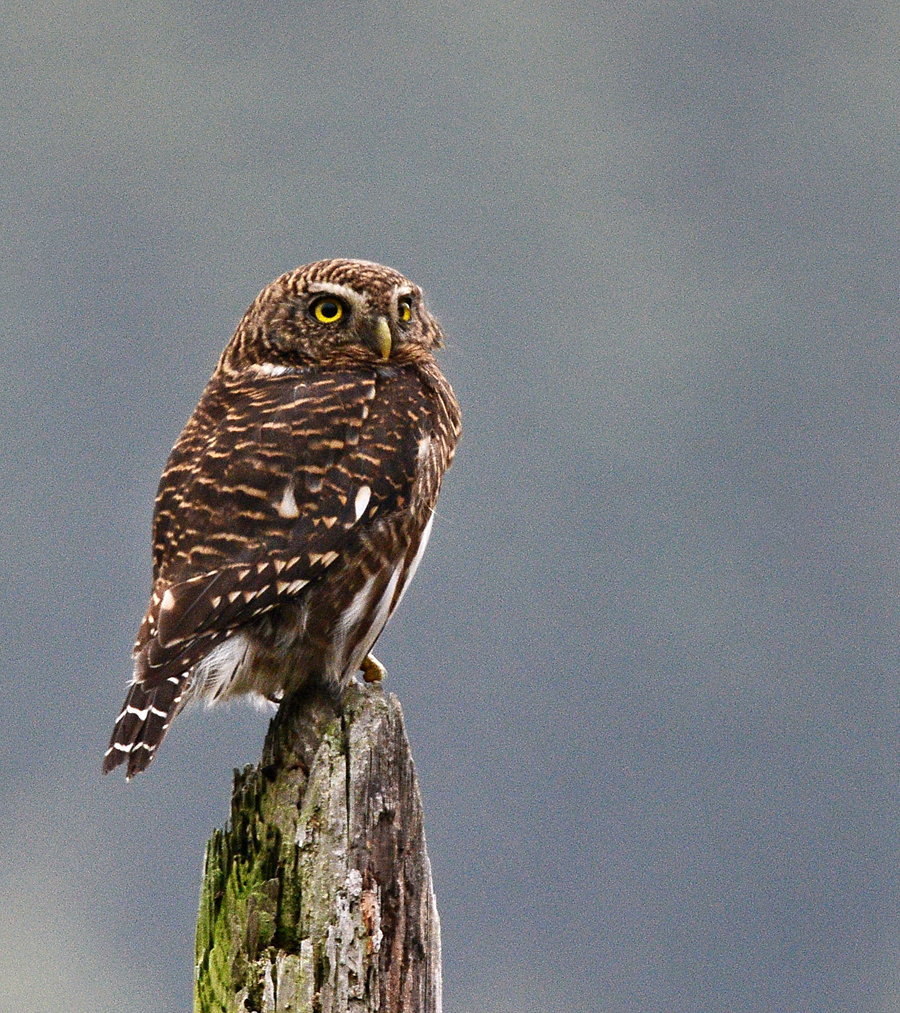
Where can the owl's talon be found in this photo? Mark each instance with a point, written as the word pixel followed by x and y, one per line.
pixel 372 669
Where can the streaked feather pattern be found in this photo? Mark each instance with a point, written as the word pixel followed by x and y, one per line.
pixel 291 512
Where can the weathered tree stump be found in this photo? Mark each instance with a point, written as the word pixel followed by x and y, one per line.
pixel 318 896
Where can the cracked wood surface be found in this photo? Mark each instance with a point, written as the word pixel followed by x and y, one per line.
pixel 317 898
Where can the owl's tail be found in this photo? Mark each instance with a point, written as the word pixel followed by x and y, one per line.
pixel 142 725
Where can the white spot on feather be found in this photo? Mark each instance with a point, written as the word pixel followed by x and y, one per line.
pixel 362 500
pixel 288 508
pixel 325 558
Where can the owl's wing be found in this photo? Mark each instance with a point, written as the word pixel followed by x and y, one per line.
pixel 270 482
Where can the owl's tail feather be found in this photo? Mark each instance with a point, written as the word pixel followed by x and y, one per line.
pixel 142 725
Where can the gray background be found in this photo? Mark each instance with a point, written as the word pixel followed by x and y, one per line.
pixel 649 665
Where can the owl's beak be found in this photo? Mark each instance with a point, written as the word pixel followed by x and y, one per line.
pixel 381 333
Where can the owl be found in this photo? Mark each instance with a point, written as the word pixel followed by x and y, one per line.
pixel 296 505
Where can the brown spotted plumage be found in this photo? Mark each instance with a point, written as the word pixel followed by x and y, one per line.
pixel 296 504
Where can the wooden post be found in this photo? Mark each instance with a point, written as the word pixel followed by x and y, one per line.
pixel 318 896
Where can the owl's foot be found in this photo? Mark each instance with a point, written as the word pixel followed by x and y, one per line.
pixel 372 669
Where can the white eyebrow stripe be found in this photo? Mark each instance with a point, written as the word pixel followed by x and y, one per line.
pixel 358 300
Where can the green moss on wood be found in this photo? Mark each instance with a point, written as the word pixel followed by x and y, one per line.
pixel 317 896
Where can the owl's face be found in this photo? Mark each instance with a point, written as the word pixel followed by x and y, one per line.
pixel 337 314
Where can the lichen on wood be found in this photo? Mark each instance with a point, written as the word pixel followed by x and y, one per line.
pixel 317 898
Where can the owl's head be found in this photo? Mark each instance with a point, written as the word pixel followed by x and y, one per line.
pixel 338 314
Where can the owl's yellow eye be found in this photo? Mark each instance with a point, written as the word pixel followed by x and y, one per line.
pixel 327 310
pixel 404 310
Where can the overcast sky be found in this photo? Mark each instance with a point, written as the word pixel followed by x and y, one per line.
pixel 650 664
